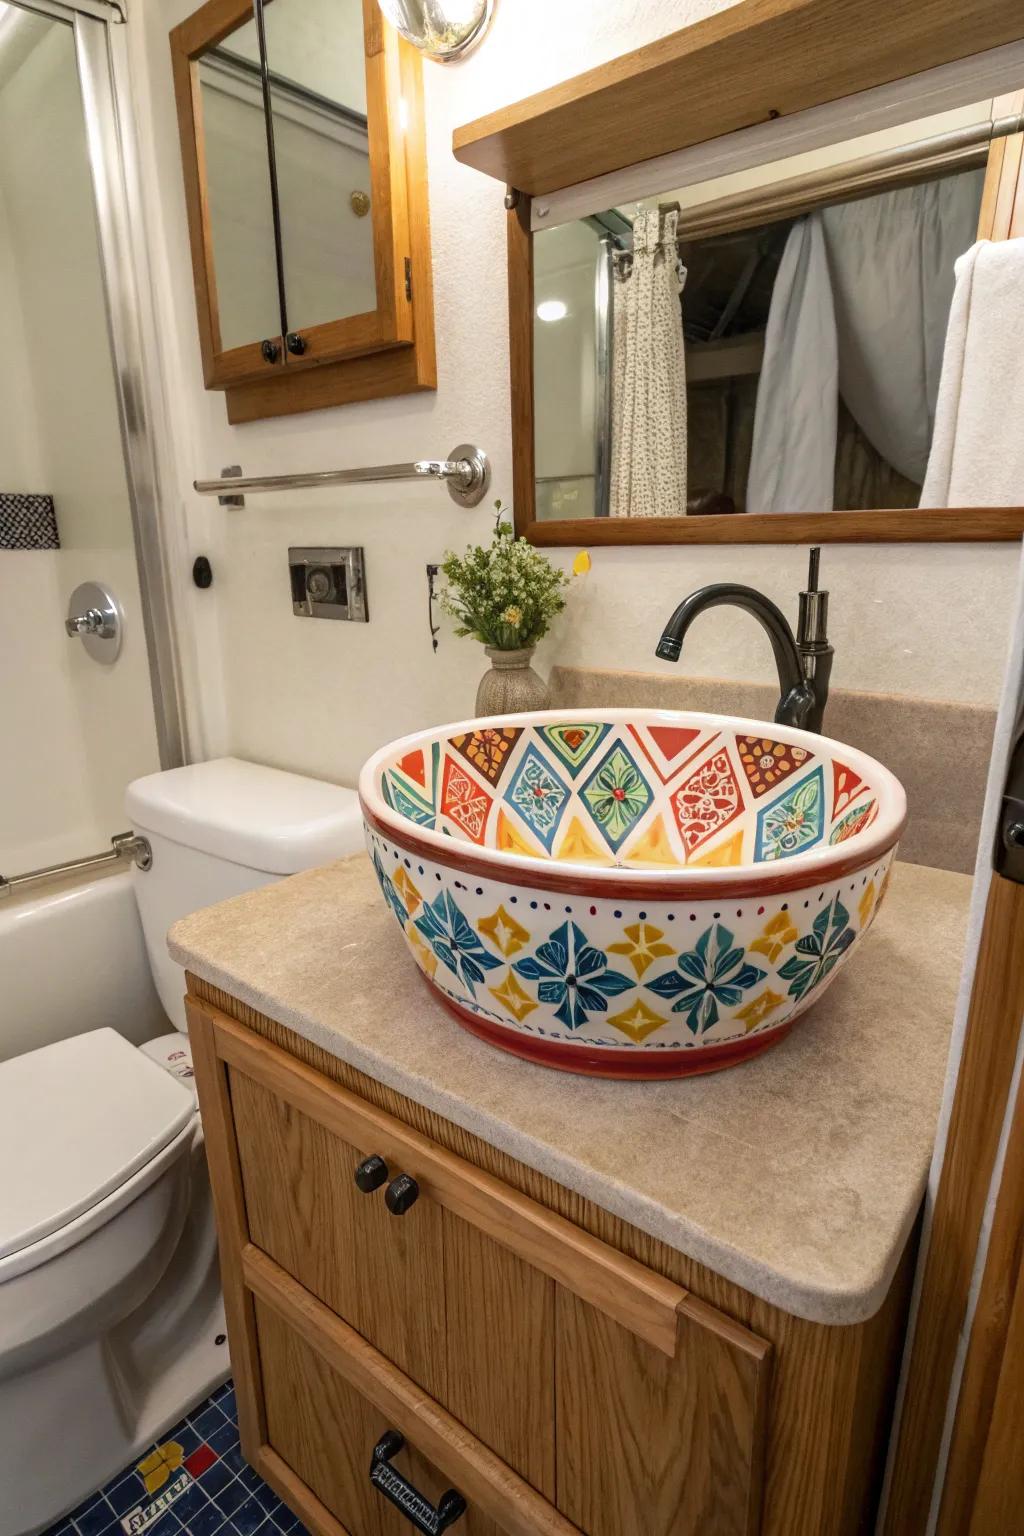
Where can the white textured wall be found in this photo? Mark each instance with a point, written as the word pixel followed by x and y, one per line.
pixel 318 697
pixel 74 732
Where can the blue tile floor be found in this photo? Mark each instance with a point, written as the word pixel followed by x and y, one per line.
pixel 194 1481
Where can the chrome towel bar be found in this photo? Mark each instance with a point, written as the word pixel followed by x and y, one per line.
pixel 467 474
pixel 125 845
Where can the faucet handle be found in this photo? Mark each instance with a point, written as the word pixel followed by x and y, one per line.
pixel 812 625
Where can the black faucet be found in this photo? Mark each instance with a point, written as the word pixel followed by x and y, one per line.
pixel 803 661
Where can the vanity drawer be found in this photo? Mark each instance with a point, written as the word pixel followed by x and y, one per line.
pixel 330 1400
pixel 608 1388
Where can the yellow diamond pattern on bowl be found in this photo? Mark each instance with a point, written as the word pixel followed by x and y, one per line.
pixel 642 946
pixel 759 1008
pixel 411 898
pixel 421 952
pixel 513 997
pixel 777 932
pixel 637 1021
pixel 505 933
pixel 866 905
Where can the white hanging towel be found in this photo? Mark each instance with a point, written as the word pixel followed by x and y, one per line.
pixel 793 456
pixel 977 453
pixel 648 470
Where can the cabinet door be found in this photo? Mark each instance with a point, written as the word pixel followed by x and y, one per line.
pixel 383 1274
pixel 669 1447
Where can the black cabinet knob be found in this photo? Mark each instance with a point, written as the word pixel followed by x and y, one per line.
pixel 270 351
pixel 401 1194
pixel 295 343
pixel 371 1174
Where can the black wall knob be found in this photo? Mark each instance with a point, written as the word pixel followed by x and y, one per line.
pixel 202 572
pixel 295 343
pixel 371 1174
pixel 270 351
pixel 401 1194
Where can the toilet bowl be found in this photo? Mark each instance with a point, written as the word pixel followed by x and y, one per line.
pixel 111 1321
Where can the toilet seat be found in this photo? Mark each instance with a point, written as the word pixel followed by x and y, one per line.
pixel 92 1123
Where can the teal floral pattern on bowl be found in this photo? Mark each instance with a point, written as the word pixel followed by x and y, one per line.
pixel 630 893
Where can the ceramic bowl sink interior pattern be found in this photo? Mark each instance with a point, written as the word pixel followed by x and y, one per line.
pixel 630 893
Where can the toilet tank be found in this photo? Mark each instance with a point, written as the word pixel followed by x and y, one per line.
pixel 223 827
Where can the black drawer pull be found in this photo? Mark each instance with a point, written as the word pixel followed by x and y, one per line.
pixel 371 1174
pixel 401 1493
pixel 401 1193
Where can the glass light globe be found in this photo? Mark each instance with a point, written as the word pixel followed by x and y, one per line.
pixel 442 29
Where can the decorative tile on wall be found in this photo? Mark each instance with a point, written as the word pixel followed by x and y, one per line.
pixel 27 521
pixel 194 1482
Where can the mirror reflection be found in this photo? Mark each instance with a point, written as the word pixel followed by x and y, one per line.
pixel 238 189
pixel 770 341
pixel 318 99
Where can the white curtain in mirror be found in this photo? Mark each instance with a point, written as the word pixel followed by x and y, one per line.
pixel 648 468
pixel 859 309
pixel 977 456
pixel 793 457
pixel 891 259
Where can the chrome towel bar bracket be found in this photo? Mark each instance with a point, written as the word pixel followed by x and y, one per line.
pixel 467 474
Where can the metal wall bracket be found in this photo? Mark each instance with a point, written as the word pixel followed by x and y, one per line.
pixel 231 472
pixel 1009 850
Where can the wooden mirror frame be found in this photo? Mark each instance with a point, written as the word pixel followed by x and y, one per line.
pixel 555 145
pixel 400 329
pixel 1002 215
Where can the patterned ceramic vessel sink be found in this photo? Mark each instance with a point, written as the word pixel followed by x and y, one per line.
pixel 630 893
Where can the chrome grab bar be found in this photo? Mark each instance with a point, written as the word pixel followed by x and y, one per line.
pixel 467 474
pixel 125 845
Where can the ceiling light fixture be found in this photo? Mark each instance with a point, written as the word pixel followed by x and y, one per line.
pixel 442 29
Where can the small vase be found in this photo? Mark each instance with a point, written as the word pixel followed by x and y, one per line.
pixel 511 687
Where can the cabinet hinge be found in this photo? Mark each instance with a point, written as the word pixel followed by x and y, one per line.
pixel 408 278
pixel 1009 851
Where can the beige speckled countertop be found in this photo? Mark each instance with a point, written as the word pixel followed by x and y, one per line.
pixel 797 1175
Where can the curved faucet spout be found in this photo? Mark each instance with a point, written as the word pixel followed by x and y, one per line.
pixel 797 703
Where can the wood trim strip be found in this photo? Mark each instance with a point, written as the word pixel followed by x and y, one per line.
pixel 632 1295
pixel 975 1463
pixel 481 1477
pixel 671 93
pixel 949 525
pixel 298 1495
pixel 990 1045
pixel 232 1226
pixel 521 362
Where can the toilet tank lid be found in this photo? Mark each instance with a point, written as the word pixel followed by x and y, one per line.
pixel 77 1119
pixel 261 818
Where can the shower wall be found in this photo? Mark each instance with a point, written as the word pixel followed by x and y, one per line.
pixel 74 731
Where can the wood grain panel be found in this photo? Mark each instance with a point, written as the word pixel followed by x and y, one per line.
pixel 641 1299
pixel 383 1274
pixel 711 79
pixel 232 1227
pixel 501 1351
pixel 983 1471
pixel 979 1104
pixel 673 1448
pixel 831 1391
pixel 450 1454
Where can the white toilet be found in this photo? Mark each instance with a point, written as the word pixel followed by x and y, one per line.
pixel 111 1324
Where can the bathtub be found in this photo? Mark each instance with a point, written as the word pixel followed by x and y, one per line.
pixel 73 959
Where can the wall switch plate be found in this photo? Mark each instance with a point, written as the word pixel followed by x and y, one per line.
pixel 328 584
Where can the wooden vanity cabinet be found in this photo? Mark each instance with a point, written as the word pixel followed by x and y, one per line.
pixel 555 1367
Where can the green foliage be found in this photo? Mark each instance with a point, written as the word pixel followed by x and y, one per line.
pixel 504 594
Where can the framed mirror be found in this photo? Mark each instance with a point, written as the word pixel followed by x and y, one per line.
pixel 301 139
pixel 755 356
